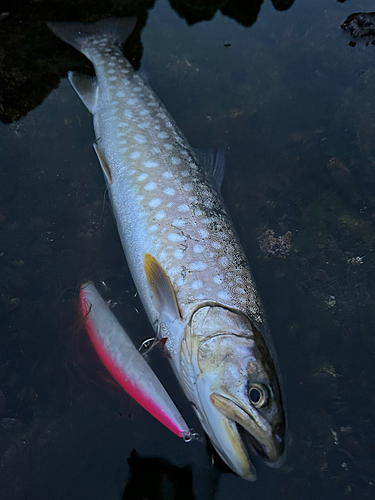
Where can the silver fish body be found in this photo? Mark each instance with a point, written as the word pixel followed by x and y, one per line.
pixel 171 219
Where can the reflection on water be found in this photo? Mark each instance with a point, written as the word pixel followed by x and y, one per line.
pixel 157 479
pixel 294 104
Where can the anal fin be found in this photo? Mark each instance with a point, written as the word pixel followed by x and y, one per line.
pixel 103 163
pixel 87 89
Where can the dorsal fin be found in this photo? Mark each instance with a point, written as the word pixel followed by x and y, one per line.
pixel 164 296
pixel 87 89
pixel 212 163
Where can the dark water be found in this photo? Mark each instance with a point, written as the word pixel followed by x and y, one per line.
pixel 294 104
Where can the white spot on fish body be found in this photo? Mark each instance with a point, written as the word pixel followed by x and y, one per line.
pixel 169 205
pixel 197 266
pixel 184 208
pixel 150 186
pixel 175 160
pixel 155 202
pixel 120 93
pixel 178 222
pixel 112 78
pixel 197 284
pixel 111 71
pixel 137 89
pixel 223 261
pixel 198 248
pixel 200 296
pixel 144 112
pixel 175 237
pixel 203 233
pixel 155 150
pixel 140 197
pixel 216 244
pixel 150 164
pixel 167 175
pixel 131 101
pixel 218 279
pixel 178 254
pixel 135 154
pixel 223 295
pixel 169 191
pixel 184 173
pixel 163 255
pixel 128 113
pixel 188 187
pixel 110 63
pixel 123 124
pixel 143 125
pixel 240 290
pixel 160 215
pixel 174 271
pixel 124 71
pixel 142 177
pixel 153 228
pixel 162 135
pixel 168 147
pixel 141 139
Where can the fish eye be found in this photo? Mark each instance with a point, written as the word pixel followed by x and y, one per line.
pixel 258 395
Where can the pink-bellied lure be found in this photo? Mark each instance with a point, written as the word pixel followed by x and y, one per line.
pixel 124 362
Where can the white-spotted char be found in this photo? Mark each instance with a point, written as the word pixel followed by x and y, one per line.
pixel 180 243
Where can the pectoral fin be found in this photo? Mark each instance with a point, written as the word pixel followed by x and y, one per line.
pixel 103 163
pixel 164 296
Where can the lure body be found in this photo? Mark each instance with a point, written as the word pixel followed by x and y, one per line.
pixel 125 363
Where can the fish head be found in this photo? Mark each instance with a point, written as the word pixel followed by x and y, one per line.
pixel 238 396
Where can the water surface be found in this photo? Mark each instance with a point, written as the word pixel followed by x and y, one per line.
pixel 294 105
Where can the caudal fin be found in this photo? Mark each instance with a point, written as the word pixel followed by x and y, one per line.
pixel 79 35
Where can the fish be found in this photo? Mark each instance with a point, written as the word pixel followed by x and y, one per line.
pixel 183 252
pixel 126 364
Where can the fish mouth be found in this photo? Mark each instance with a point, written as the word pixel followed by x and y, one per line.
pixel 250 442
pixel 255 435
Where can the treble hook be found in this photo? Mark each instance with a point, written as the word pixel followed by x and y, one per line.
pixel 147 344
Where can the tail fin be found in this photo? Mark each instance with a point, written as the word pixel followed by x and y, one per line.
pixel 78 34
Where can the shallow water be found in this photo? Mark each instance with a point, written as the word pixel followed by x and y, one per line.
pixel 294 104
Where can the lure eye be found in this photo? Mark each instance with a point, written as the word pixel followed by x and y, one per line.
pixel 258 395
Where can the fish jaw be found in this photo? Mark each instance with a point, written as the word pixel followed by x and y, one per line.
pixel 257 434
pixel 223 433
pixel 228 365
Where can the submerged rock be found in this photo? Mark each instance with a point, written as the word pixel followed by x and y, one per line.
pixel 361 26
